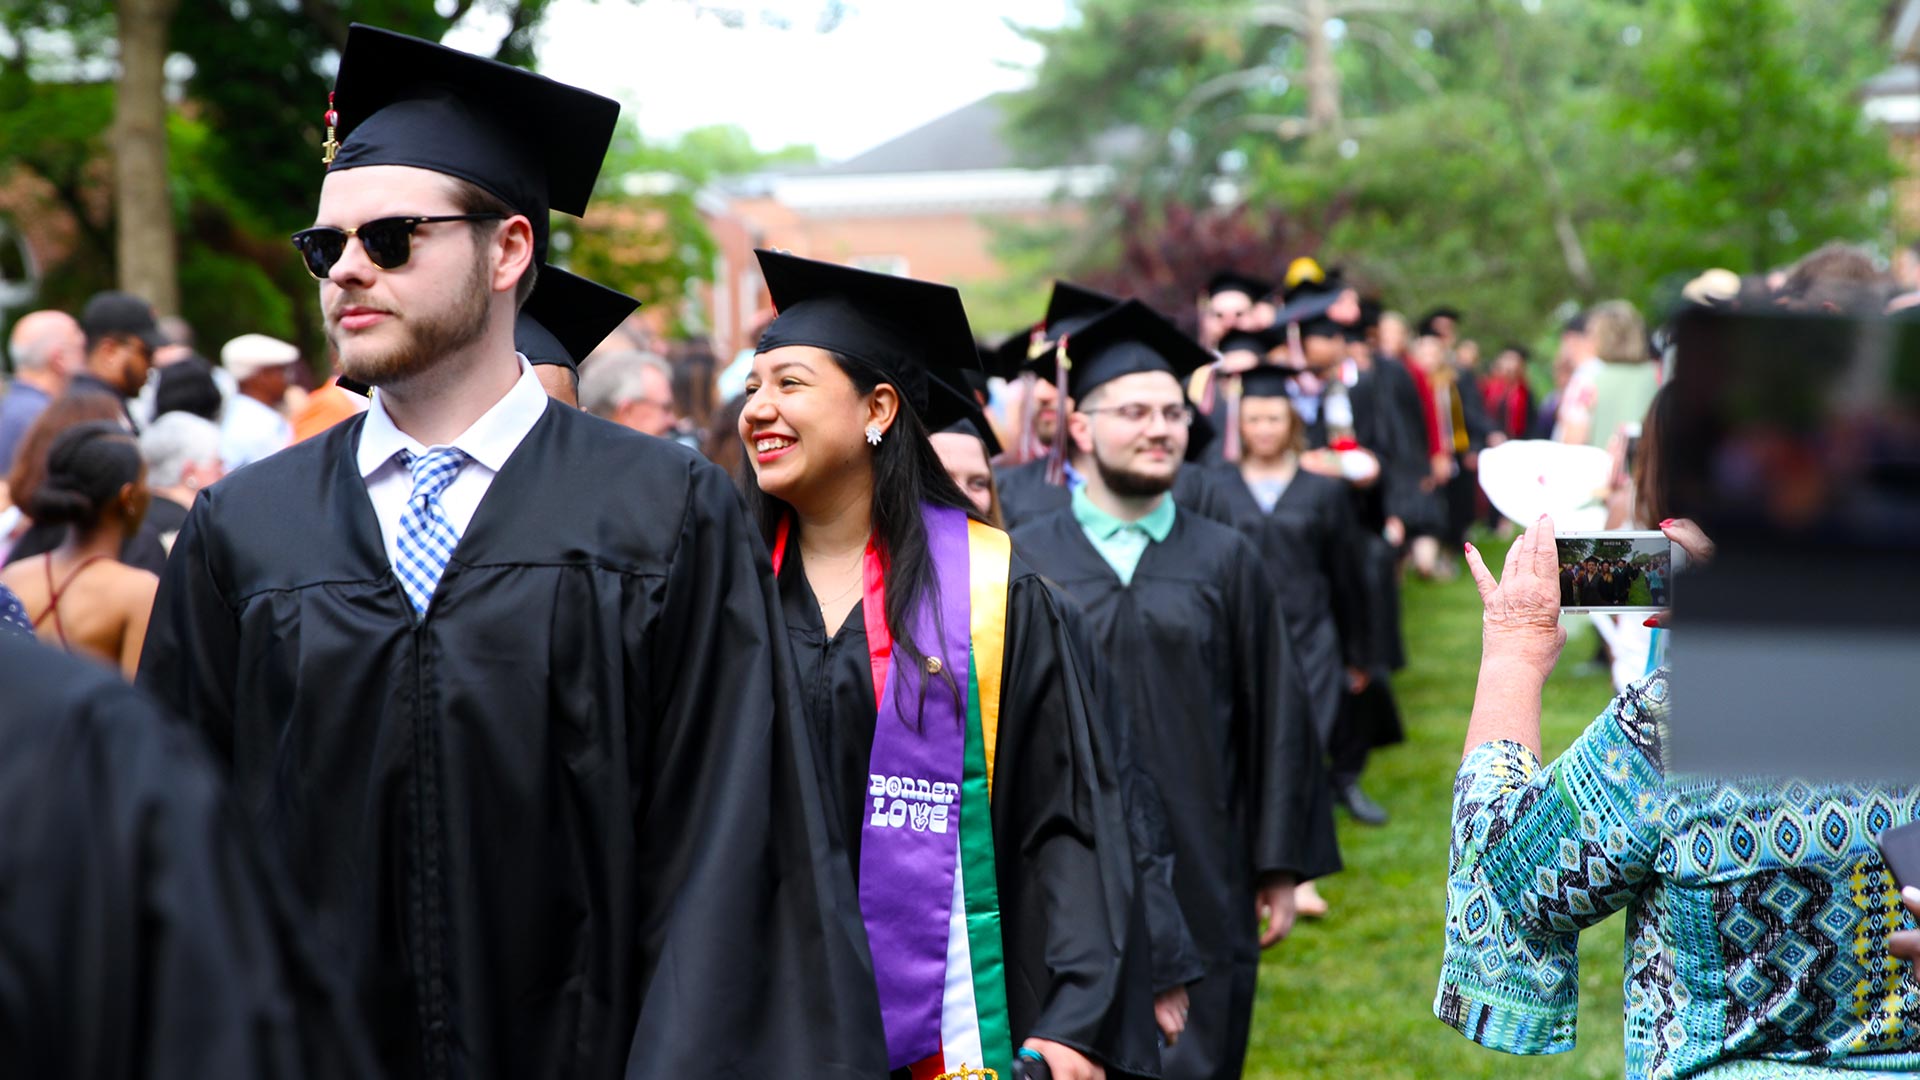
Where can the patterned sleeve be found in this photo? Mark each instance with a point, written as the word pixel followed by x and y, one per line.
pixel 13 614
pixel 1538 855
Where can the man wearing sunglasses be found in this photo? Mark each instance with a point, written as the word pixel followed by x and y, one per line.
pixel 525 749
pixel 1196 656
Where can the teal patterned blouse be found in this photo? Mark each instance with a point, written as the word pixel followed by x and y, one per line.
pixel 1757 915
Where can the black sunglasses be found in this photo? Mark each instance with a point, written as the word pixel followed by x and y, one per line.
pixel 388 242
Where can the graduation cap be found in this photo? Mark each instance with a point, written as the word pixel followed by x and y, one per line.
pixel 567 317
pixel 1267 381
pixel 533 143
pixel 1072 307
pixel 1312 311
pixel 1426 324
pixel 1258 342
pixel 1008 358
pixel 1227 281
pixel 904 329
pixel 1130 339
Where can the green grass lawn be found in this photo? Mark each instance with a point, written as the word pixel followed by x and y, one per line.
pixel 1351 995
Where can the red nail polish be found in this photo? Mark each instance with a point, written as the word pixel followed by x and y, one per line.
pixel 1653 623
pixel 1466 547
pixel 1667 523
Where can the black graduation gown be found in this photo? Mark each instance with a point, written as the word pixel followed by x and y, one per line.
pixel 141 935
pixel 1376 430
pixel 1026 496
pixel 1404 418
pixel 1176 956
pixel 1064 863
pixel 1199 658
pixel 1309 542
pixel 567 824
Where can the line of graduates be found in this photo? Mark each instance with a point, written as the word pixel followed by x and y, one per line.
pixel 820 775
pixel 1597 582
pixel 1311 439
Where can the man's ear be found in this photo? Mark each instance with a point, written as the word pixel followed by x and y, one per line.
pixel 515 243
pixel 1080 429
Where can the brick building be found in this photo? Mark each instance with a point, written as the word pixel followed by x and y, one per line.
pixel 922 204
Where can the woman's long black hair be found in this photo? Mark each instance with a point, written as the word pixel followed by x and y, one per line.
pixel 907 474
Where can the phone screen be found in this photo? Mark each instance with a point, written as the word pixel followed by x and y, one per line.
pixel 1621 571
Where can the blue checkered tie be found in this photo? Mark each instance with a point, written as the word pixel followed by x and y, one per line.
pixel 426 536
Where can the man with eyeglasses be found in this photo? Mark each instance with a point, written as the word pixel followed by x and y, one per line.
pixel 528 751
pixel 1196 656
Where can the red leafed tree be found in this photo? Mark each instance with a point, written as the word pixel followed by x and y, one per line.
pixel 1167 252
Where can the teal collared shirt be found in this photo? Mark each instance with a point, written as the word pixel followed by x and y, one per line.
pixel 1119 542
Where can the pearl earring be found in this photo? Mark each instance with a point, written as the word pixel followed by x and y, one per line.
pixel 873 434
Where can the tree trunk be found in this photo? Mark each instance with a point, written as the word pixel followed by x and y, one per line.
pixel 1572 251
pixel 145 251
pixel 1323 78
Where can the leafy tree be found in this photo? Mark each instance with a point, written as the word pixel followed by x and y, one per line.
pixel 1512 157
pixel 1752 151
pixel 645 233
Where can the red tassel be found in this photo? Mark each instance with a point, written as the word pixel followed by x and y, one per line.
pixel 1027 446
pixel 1230 444
pixel 1057 459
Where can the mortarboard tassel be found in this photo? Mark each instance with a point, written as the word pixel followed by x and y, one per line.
pixel 330 148
pixel 1057 458
pixel 1027 446
pixel 1230 445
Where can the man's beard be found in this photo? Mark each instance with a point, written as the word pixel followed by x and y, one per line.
pixel 427 339
pixel 1134 485
pixel 1046 430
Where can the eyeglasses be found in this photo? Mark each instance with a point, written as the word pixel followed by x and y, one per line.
pixel 1139 413
pixel 388 242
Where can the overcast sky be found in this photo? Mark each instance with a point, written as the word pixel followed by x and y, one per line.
pixel 890 66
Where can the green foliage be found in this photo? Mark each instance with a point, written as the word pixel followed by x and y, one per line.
pixel 645 233
pixel 1757 155
pixel 244 152
pixel 226 295
pixel 1669 136
pixel 714 152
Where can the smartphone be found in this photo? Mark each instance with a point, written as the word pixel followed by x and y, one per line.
pixel 1900 850
pixel 1617 573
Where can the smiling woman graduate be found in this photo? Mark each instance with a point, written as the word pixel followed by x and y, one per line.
pixel 942 679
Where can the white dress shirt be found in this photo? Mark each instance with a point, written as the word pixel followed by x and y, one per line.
pixel 250 430
pixel 488 443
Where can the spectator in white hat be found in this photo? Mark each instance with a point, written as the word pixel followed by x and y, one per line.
pixel 252 426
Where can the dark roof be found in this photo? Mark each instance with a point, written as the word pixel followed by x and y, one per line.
pixel 963 140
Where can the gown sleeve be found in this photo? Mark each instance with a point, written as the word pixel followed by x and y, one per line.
pixel 1341 563
pixel 1058 809
pixel 1538 855
pixel 1292 827
pixel 753 959
pixel 1176 956
pixel 192 649
pixel 156 939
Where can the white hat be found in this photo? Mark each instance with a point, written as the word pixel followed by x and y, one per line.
pixel 1524 478
pixel 250 354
